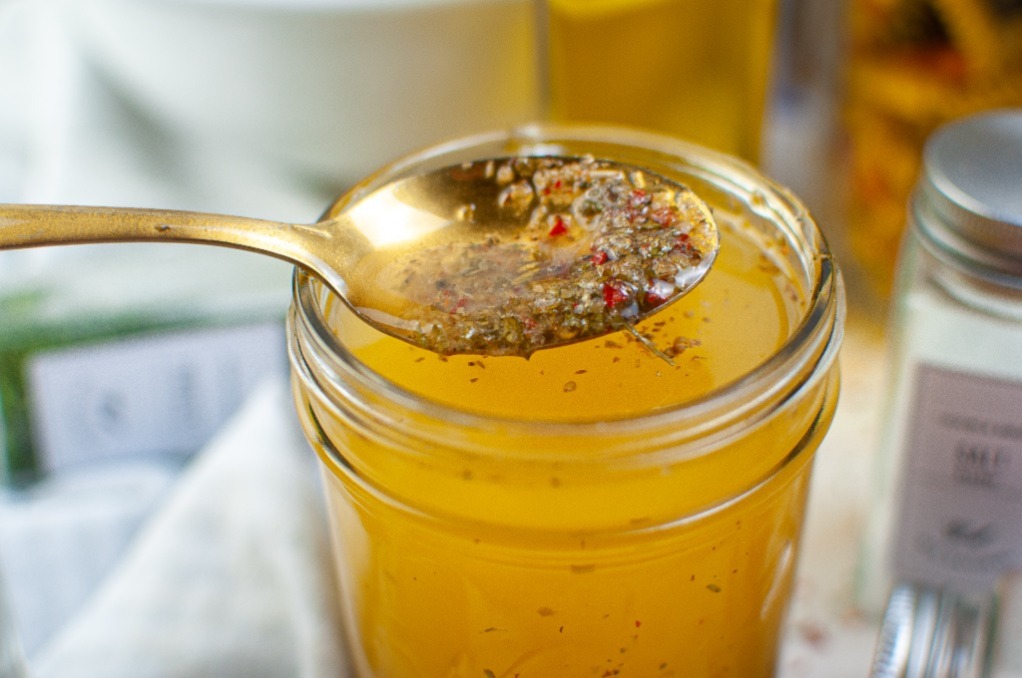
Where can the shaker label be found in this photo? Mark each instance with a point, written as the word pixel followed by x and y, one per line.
pixel 159 395
pixel 961 514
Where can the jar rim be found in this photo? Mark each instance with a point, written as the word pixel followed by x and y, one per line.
pixel 808 351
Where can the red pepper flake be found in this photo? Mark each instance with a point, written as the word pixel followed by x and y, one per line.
pixel 559 227
pixel 600 257
pixel 612 296
pixel 665 216
pixel 653 299
pixel 684 244
pixel 638 202
pixel 638 623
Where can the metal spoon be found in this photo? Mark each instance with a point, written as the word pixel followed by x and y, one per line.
pixel 465 259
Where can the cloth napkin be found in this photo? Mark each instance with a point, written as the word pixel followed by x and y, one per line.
pixel 231 577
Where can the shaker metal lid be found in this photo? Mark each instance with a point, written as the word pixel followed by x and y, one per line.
pixel 970 194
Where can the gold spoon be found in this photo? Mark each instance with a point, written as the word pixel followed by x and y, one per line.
pixel 502 256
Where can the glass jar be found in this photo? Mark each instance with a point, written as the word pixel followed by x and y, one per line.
pixel 594 508
pixel 946 514
pixel 696 69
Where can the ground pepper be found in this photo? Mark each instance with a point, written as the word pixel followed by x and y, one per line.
pixel 604 246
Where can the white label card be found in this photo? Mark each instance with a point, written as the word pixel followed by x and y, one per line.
pixel 961 490
pixel 163 394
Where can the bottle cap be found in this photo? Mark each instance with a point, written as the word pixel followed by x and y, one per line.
pixel 969 199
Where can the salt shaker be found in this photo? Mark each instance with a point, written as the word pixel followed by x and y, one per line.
pixel 946 525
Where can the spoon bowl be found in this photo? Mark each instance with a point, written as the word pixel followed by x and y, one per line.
pixel 502 256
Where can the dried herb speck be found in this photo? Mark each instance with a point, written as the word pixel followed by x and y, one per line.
pixel 596 246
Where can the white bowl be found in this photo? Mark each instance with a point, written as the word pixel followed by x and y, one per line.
pixel 327 88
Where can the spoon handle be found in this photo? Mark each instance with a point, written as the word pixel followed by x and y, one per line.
pixel 39 225
pixel 24 226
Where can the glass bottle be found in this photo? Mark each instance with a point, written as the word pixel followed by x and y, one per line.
pixel 689 68
pixel 946 521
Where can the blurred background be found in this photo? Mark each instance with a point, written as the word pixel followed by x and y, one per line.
pixel 119 363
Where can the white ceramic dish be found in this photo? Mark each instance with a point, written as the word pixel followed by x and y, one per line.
pixel 330 88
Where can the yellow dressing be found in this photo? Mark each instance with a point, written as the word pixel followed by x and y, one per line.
pixel 739 315
pixel 515 565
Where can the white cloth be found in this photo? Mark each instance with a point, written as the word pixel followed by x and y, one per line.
pixel 231 577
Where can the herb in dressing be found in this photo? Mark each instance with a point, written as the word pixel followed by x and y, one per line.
pixel 601 246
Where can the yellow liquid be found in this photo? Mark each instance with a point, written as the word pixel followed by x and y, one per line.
pixel 526 566
pixel 697 69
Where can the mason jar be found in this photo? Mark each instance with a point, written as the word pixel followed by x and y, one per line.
pixel 599 508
